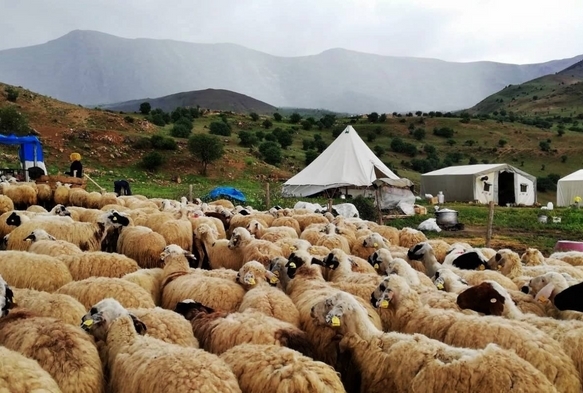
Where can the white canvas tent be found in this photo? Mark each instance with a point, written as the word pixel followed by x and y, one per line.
pixel 569 187
pixel 347 162
pixel 501 183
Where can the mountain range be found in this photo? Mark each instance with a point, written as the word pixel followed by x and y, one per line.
pixel 92 68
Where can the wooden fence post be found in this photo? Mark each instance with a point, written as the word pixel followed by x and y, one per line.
pixel 267 197
pixel 190 193
pixel 490 223
pixel 330 205
pixel 378 203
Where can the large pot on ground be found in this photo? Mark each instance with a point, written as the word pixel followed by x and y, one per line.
pixel 446 217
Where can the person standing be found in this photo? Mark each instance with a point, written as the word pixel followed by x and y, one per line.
pixel 76 169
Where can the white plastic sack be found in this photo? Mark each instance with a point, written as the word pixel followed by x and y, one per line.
pixel 346 210
pixel 429 225
pixel 310 206
pixel 406 208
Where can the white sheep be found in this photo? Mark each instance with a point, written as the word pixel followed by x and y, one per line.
pixel 253 249
pixel 217 250
pixel 44 243
pixel 34 271
pixel 19 374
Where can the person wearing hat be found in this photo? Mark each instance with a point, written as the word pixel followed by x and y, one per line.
pixel 76 169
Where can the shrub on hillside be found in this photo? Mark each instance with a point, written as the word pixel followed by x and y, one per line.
pixel 444 132
pixel 248 138
pixel 13 122
pixel 142 143
pixel 163 142
pixel 129 119
pixel 220 128
pixel 271 152
pixel 11 93
pixel 180 130
pixel 152 161
pixel 311 155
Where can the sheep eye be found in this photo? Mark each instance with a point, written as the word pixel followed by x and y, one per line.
pixel 93 311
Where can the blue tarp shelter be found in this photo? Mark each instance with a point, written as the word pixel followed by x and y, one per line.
pixel 30 152
pixel 230 192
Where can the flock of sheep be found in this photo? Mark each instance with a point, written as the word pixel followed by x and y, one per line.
pixel 104 293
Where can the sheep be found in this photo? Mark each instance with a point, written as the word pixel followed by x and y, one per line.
pixel 289 222
pixel 6 204
pixel 553 288
pixel 54 305
pixel 19 374
pixel 36 209
pixel 262 297
pixel 424 252
pixel 150 280
pixel 34 271
pixel 440 248
pixel 365 246
pixel 98 264
pixel 330 239
pixel 240 220
pixel 64 351
pixel 253 249
pixel 510 265
pixel 61 194
pixel 574 258
pixel 217 250
pixel 93 289
pixel 271 368
pixel 396 362
pixel 384 263
pixel 22 195
pixel 166 325
pixel 304 284
pixel 219 331
pixel 145 364
pixel 533 257
pixel 224 203
pixel 404 313
pixel 87 236
pixel 108 198
pixel 392 234
pixel 304 220
pixel 465 258
pixel 43 243
pixel 179 283
pixel 271 234
pixel 137 242
pixel 409 237
pixel 490 298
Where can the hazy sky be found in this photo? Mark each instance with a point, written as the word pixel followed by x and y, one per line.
pixel 513 31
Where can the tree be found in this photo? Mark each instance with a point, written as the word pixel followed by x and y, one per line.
pixel 418 113
pixel 277 117
pixel 248 138
pixel 371 136
pixel 182 128
pixel 308 144
pixel 419 134
pixel 284 137
pixel 271 152
pixel 205 148
pixel 267 123
pixel 11 93
pixel 383 118
pixel 13 122
pixel 254 116
pixel 544 146
pixel 220 128
pixel 295 118
pixel 307 125
pixel 152 161
pixel 378 150
pixel 311 155
pixel 502 142
pixel 145 108
pixel 373 117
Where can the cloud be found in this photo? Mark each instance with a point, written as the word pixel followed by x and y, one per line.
pixel 516 31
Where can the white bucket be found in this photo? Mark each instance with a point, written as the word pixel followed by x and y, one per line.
pixel 542 219
pixel 440 198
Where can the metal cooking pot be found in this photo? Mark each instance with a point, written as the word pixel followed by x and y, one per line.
pixel 446 217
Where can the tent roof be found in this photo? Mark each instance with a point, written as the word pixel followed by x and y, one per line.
pixel 575 176
pixel 465 169
pixel 346 162
pixel 18 140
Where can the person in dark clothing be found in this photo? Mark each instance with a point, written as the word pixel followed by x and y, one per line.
pixel 76 169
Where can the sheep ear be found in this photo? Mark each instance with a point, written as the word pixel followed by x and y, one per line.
pixel 316 261
pixel 9 295
pixel 139 325
pixel 570 298
pixel 545 293
pixel 271 278
pixel 52 237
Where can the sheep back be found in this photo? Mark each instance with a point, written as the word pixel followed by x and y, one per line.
pixel 150 280
pixel 98 264
pixel 33 271
pixel 20 374
pixel 142 245
pixel 166 325
pixel 54 305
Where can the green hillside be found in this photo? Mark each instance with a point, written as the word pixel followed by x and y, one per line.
pixel 556 94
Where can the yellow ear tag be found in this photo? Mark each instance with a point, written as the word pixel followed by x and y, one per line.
pixel 376 265
pixel 384 304
pixel 292 265
pixel 481 267
pixel 251 281
pixel 293 248
pixel 376 245
pixel 440 286
pixel 87 323
pixel 543 299
pixel 274 280
pixel 499 267
pixel 335 321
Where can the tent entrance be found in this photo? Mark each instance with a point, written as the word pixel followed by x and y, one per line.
pixel 506 193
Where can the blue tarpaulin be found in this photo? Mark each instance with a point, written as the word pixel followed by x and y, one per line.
pixel 230 192
pixel 30 147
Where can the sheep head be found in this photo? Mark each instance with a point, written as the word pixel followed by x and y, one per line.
pixel 115 219
pixel 334 259
pixel 532 257
pixel 444 277
pixel 174 250
pixel 298 259
pixel 99 318
pixel 419 250
pixel 190 309
pixel 253 273
pixel 253 226
pixel 377 258
pixel 39 234
pixel 389 291
pixel 14 219
pixel 60 210
pixel 238 236
pixel 331 311
pixel 485 298
pixel 551 282
pixel 374 240
pixel 6 298
pixel 504 260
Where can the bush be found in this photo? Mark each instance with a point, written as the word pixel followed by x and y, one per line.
pixel 277 117
pixel 180 130
pixel 158 119
pixel 152 161
pixel 11 93
pixel 271 152
pixel 260 135
pixel 295 118
pixel 378 150
pixel 544 146
pixel 371 136
pixel 419 134
pixel 373 117
pixel 248 138
pixel 472 161
pixel 254 116
pixel 163 143
pixel 220 128
pixel 544 184
pixel 307 125
pixel 308 144
pixel 502 142
pixel 206 148
pixel 142 143
pixel 311 155
pixel 129 119
pixel 444 132
pixel 145 108
pixel 284 137
pixel 13 122
pixel 366 208
pixel 267 123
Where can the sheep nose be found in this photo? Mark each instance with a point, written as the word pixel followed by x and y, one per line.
pixel 525 289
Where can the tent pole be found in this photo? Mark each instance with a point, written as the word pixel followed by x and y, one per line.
pixel 490 223
pixel 378 201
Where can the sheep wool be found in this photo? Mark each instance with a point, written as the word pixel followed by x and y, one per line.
pixel 6 204
pixel 98 264
pixel 150 280
pixel 54 305
pixel 166 325
pixel 43 243
pixel 94 289
pixel 19 374
pixel 275 369
pixel 27 270
pixel 142 245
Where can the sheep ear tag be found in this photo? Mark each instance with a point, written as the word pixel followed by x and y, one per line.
pixel 292 265
pixel 384 303
pixel 252 281
pixel 482 267
pixel 376 266
pixel 440 286
pixel 375 245
pixel 335 321
pixel 86 325
pixel 274 280
pixel 493 300
pixel 545 293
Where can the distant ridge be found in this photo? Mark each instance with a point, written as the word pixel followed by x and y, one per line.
pixel 560 93
pixel 214 99
pixel 91 68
